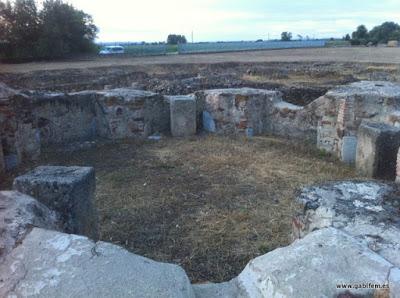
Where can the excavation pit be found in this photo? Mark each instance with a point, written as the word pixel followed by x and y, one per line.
pixel 207 203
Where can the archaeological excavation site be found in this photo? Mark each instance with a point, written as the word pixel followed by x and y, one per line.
pixel 234 179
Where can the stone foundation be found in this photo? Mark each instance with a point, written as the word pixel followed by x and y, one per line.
pixel 362 209
pixel 30 120
pixel 342 110
pixel 128 113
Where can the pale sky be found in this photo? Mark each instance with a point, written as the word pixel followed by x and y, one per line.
pixel 224 20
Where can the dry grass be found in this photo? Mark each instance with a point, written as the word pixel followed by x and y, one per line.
pixel 209 204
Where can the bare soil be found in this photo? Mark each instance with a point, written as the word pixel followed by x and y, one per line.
pixel 353 54
pixel 301 75
pixel 209 204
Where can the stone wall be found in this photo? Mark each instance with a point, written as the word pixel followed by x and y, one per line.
pixel 30 120
pixel 63 118
pixel 377 149
pixel 18 128
pixel 126 113
pixel 236 111
pixel 347 106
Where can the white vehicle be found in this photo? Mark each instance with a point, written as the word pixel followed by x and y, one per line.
pixel 109 50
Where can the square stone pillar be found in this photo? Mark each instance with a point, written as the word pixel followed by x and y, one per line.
pixel 377 150
pixel 67 190
pixel 183 115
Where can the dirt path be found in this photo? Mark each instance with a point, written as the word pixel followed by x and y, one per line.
pixel 371 55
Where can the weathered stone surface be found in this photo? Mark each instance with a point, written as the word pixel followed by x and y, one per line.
pixel 5 91
pixel 64 118
pixel 53 264
pixel 349 149
pixel 314 266
pixel 18 129
pixel 341 110
pixel 67 190
pixel 32 119
pixel 377 149
pixel 291 121
pixel 183 115
pixel 236 110
pixel 398 167
pixel 126 113
pixel 366 210
pixel 220 290
pixel 18 214
pixel 208 122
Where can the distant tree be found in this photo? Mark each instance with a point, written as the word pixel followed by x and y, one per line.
pixel 300 37
pixel 360 36
pixel 65 30
pixel 19 28
pixel 379 34
pixel 176 39
pixel 385 32
pixel 56 31
pixel 286 36
pixel 347 37
pixel 360 33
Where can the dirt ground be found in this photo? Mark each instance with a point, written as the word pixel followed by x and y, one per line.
pixel 301 75
pixel 209 204
pixel 364 55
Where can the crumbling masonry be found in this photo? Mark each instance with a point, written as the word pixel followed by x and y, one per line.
pixel 347 233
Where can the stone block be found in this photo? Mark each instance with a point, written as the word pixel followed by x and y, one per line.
pixel 67 190
pixel 363 209
pixel 349 149
pixel 53 264
pixel 18 214
pixel 220 290
pixel 326 135
pixel 183 115
pixel 377 150
pixel 314 266
pixel 208 122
